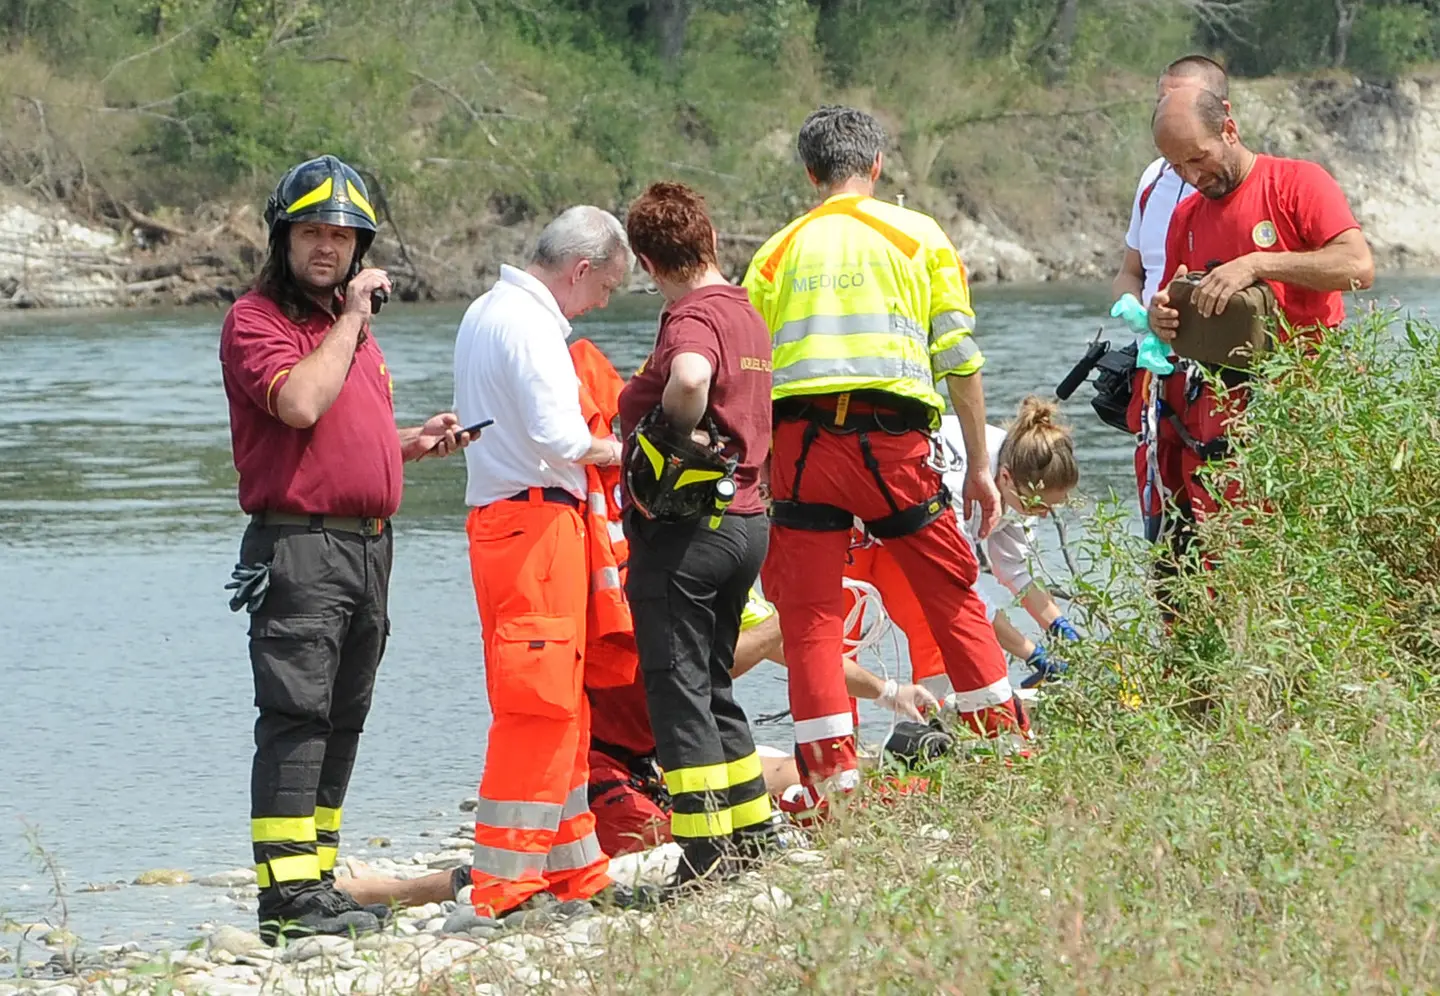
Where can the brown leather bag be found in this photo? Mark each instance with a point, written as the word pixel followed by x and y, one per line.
pixel 1235 337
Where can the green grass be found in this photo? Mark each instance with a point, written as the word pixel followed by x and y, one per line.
pixel 1263 821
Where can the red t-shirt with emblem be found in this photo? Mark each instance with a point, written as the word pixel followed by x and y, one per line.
pixel 720 324
pixel 348 462
pixel 1282 205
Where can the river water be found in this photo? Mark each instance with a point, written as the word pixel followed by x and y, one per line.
pixel 125 693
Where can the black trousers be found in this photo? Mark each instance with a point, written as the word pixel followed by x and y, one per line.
pixel 315 646
pixel 688 585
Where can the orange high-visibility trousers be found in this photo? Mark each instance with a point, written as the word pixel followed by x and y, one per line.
pixel 875 565
pixel 534 831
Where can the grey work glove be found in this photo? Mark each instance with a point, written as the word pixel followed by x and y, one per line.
pixel 250 583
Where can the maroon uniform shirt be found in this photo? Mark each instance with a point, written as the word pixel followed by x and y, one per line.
pixel 348 462
pixel 719 324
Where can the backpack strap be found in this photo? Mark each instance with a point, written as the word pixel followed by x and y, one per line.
pixel 1145 194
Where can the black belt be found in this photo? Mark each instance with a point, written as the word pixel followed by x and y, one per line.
pixel 557 495
pixel 364 526
pixel 875 411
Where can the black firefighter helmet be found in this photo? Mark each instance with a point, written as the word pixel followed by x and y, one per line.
pixel 324 190
pixel 672 478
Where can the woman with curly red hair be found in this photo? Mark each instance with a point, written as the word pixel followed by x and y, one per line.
pixel 693 557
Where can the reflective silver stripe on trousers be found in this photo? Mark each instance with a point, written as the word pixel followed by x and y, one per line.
pixel 605 578
pixel 597 503
pixel 956 356
pixel 577 803
pixel 580 854
pixel 512 865
pixel 872 322
pixel 518 815
pixel 878 368
pixel 949 321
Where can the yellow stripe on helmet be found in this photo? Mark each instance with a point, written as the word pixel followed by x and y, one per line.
pixel 320 193
pixel 358 199
pixel 652 454
pixel 688 477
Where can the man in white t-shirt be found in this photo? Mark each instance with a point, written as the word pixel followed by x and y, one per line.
pixel 1158 475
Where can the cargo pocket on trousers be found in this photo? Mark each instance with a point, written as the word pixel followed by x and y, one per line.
pixel 294 659
pixel 535 667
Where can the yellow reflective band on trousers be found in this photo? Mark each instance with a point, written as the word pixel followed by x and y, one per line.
pixel 747 814
pixel 289 868
pixel 713 777
pixel 328 855
pixel 327 819
pixel 702 798
pixel 721 822
pixel 283 830
pixel 860 294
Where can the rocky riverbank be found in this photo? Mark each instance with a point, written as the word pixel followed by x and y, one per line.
pixel 432 945
pixel 1381 142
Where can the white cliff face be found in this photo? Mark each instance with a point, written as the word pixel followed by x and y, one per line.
pixel 49 260
pixel 1381 143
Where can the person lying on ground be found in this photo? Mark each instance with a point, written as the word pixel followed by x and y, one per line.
pixel 627 793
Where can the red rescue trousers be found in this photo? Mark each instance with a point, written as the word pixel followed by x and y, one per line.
pixel 805 568
pixel 1208 418
pixel 533 828
pixel 627 818
pixel 1169 451
pixel 877 566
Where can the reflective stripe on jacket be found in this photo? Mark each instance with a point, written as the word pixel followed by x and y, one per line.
pixel 861 294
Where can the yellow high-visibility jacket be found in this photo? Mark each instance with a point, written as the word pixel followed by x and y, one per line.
pixel 860 294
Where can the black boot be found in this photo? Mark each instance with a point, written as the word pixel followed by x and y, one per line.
pixel 619 896
pixel 702 859
pixel 752 845
pixel 316 911
pixel 343 900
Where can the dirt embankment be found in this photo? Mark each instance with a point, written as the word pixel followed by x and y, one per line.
pixel 1381 142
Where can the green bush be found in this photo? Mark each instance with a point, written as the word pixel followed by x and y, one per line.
pixel 1391 39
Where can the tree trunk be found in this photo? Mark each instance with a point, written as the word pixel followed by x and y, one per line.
pixel 668 21
pixel 1345 14
pixel 1059 41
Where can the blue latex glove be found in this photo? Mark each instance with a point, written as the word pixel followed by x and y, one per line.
pixel 1154 354
pixel 1064 628
pixel 1046 668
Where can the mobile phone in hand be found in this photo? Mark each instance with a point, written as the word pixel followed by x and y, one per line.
pixel 477 428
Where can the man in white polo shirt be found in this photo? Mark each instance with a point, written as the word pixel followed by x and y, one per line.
pixel 534 833
pixel 1158 475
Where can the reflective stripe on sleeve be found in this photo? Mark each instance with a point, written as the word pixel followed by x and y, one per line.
pixel 949 321
pixel 959 360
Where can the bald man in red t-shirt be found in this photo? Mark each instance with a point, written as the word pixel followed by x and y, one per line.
pixel 1257 217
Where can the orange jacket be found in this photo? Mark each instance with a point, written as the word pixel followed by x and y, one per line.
pixel 610 657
